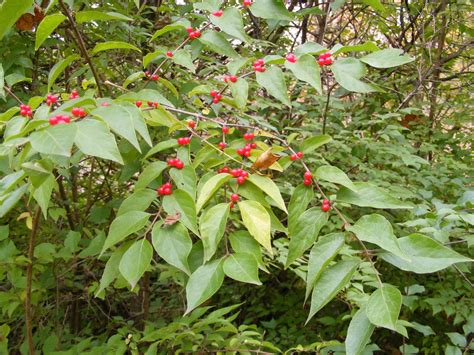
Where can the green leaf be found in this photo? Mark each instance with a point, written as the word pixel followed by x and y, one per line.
pixel 322 253
pixel 309 48
pixel 10 12
pixel 132 78
pixel 332 280
pixel 240 92
pixel 231 23
pixel 178 25
pixel 185 179
pixel 10 181
pixel 136 261
pixel 111 270
pixel 180 202
pixel 387 58
pixel 210 188
pixel 384 307
pixel 335 175
pixel 88 16
pixel 243 242
pixel 11 200
pixel 183 57
pixel 105 46
pixel 94 138
pixel 57 140
pixel 368 46
pixel 347 73
pixel 306 69
pixel 170 143
pixel 42 194
pixel 270 188
pixel 257 221
pixel 120 121
pixel 242 267
pixel 274 82
pixel 359 332
pixel 58 68
pixel 271 9
pixel 212 226
pixel 216 42
pixel 46 27
pixel 140 200
pixel 305 232
pixel 124 225
pixel 203 283
pixel 369 195
pixel 376 5
pixel 150 173
pixel 426 255
pixel 376 229
pixel 173 244
pixel 300 199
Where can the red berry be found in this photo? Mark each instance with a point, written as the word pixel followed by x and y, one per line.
pixel 240 151
pixel 191 124
pixel 65 119
pixel 326 202
pixel 222 145
pixel 249 136
pixel 260 62
pixel 236 172
pixel 299 154
pixel 213 93
pixel 225 129
pixel 260 69
pixel 189 30
pixel 231 205
pixel 234 197
pixel 307 182
pixel 169 54
pixel 74 94
pixel 308 175
pixel 225 170
pixel 325 208
pixel 244 174
pixel 138 104
pixel 247 2
pixel 218 13
pixel 291 58
pixel 53 121
pixel 321 61
pixel 179 164
pixel 328 61
pixel 247 153
pixel 166 191
pixel 253 145
pixel 233 78
pixel 216 100
pixel 293 157
pixel 172 162
pixel 154 77
pixel 168 184
pixel 240 180
pixel 105 104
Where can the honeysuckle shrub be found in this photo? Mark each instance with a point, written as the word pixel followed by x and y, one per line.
pixel 169 169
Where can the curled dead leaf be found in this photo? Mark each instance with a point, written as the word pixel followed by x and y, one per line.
pixel 172 219
pixel 265 160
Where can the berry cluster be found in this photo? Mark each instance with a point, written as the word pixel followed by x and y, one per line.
pixel 216 96
pixel 233 198
pixel 169 54
pixel 150 76
pixel 291 58
pixel 184 140
pixel 240 174
pixel 231 78
pixel 51 99
pixel 59 119
pixel 25 111
pixel 79 112
pixel 308 178
pixel 193 33
pixel 325 59
pixel 74 95
pixel 218 13
pixel 152 104
pixel 326 206
pixel 259 65
pixel 175 162
pixel 246 150
pixel 296 156
pixel 247 2
pixel 165 189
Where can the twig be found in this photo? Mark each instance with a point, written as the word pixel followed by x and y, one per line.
pixel 10 92
pixel 82 46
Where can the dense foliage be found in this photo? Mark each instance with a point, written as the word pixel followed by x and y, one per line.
pixel 235 177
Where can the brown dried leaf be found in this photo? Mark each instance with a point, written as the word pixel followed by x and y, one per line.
pixel 265 160
pixel 172 219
